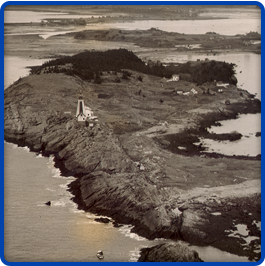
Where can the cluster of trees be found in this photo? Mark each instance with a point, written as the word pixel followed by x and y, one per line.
pixel 88 65
pixel 206 71
pixel 253 35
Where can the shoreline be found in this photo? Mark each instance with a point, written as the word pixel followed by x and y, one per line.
pixel 139 41
pixel 189 12
pixel 139 53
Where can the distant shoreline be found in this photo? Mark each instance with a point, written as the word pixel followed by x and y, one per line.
pixel 147 11
pixel 136 44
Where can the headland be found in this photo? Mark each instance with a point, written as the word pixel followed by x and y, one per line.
pixel 131 164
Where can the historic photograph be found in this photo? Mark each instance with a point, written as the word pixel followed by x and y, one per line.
pixel 132 133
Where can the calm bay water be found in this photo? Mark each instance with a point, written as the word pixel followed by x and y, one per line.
pixel 221 26
pixel 16 67
pixel 228 26
pixel 37 232
pixel 12 16
pixel 249 145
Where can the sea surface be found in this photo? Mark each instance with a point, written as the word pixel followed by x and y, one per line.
pixel 61 232
pixel 35 232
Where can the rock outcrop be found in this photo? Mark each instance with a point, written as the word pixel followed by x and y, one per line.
pixel 169 252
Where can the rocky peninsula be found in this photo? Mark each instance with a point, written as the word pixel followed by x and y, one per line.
pixel 129 165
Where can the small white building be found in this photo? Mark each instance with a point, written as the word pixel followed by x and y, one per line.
pixel 174 77
pixel 221 84
pixel 88 112
pixel 193 91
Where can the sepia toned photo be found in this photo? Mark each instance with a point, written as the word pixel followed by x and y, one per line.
pixel 132 133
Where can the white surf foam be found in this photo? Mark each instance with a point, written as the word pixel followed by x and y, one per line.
pixel 56 172
pixel 135 254
pixel 26 148
pixel 61 202
pixel 126 230
pixel 75 210
pixel 88 222
pixel 64 186
pixel 49 189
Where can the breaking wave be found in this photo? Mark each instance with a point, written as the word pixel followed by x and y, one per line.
pixel 126 230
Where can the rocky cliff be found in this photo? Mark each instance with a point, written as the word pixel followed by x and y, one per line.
pixel 123 173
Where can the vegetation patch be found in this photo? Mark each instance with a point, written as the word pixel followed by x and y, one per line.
pixel 89 65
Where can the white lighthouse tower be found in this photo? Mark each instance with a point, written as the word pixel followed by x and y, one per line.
pixel 80 111
pixel 84 113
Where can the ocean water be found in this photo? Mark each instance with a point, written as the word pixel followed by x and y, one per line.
pixel 60 232
pixel 35 232
pixel 17 67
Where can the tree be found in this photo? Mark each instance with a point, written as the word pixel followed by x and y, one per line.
pixel 97 79
pixel 140 78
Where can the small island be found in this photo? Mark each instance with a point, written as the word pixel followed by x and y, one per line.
pixel 139 162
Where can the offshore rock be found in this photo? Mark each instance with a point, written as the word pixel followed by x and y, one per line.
pixel 102 220
pixel 48 203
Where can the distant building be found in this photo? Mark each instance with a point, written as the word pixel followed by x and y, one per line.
pixel 221 84
pixel 174 77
